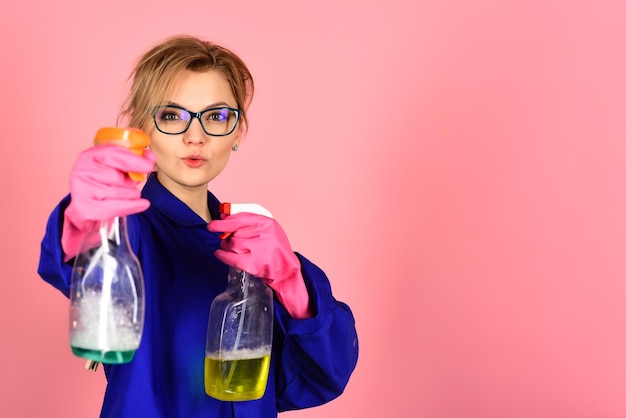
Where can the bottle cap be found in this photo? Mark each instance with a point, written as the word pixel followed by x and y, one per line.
pixel 134 139
pixel 235 208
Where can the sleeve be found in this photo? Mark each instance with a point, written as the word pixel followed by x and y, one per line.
pixel 319 354
pixel 51 266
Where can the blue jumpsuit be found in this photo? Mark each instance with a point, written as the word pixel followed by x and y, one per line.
pixel 312 359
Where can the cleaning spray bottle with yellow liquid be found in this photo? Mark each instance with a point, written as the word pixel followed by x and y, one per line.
pixel 239 332
pixel 107 299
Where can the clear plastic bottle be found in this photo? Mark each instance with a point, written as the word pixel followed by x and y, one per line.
pixel 239 339
pixel 107 300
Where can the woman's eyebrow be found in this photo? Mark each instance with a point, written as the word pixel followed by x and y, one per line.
pixel 212 105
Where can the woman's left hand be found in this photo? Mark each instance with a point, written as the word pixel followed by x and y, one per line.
pixel 257 244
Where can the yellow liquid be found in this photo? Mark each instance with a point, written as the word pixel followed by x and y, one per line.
pixel 236 380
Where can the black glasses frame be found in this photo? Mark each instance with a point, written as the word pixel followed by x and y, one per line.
pixel 197 115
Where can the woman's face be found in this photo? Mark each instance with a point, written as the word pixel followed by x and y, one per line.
pixel 192 159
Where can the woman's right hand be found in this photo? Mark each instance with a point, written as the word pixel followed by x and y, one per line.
pixel 101 189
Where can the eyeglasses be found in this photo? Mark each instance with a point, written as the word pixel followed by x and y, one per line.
pixel 216 121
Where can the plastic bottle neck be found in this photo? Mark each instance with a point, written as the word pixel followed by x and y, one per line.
pixel 113 230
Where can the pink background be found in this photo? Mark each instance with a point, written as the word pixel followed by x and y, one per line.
pixel 457 168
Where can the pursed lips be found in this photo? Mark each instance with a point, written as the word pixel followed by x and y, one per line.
pixel 194 160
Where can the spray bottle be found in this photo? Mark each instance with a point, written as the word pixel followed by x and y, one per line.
pixel 239 332
pixel 107 298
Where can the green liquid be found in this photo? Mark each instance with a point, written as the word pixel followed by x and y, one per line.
pixel 236 380
pixel 110 357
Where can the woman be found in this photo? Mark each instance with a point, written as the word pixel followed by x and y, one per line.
pixel 191 97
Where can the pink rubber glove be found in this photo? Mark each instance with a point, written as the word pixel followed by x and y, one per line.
pixel 100 190
pixel 259 246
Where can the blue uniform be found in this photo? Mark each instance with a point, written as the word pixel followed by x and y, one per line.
pixel 312 359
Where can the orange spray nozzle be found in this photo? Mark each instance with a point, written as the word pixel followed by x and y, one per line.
pixel 134 139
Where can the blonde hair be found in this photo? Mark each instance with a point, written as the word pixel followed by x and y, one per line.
pixel 156 71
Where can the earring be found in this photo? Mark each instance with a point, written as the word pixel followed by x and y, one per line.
pixel 235 147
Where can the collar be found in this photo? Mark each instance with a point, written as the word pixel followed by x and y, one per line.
pixel 169 205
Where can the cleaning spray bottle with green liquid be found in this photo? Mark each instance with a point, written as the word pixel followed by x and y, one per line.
pixel 239 332
pixel 107 298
